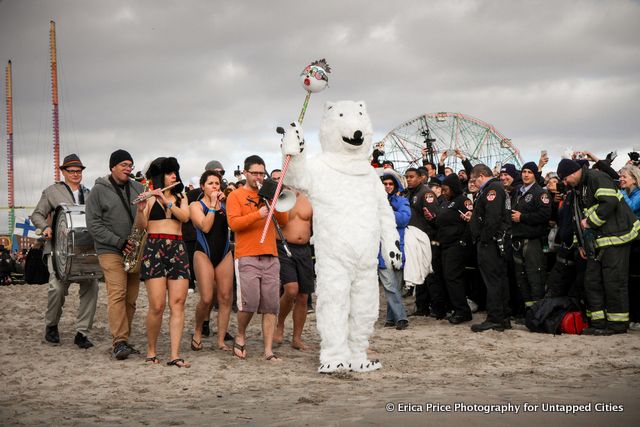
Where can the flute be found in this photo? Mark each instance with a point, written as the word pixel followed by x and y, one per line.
pixel 147 195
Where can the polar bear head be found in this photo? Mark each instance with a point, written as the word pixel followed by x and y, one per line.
pixel 346 129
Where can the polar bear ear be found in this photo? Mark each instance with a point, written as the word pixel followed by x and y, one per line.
pixel 328 106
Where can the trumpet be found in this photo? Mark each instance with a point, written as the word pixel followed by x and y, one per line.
pixel 144 196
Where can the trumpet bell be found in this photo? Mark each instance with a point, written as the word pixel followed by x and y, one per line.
pixel 286 201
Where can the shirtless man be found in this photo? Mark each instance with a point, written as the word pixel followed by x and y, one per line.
pixel 296 273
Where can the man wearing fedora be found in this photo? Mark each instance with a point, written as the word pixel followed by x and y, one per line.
pixel 70 192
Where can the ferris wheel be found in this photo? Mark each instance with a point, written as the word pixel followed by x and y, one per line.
pixel 433 133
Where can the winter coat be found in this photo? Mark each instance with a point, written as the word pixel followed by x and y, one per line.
pixel 605 211
pixel 401 211
pixel 633 200
pixel 107 220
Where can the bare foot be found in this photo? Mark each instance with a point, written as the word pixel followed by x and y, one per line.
pixel 278 336
pixel 299 345
pixel 224 347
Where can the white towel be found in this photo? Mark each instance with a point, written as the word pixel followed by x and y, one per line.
pixel 417 252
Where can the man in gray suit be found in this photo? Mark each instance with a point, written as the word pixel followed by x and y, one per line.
pixel 70 192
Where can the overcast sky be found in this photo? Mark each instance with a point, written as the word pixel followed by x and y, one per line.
pixel 203 80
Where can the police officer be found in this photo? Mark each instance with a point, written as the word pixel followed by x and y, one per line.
pixel 606 227
pixel 530 216
pixel 452 232
pixel 423 203
pixel 490 226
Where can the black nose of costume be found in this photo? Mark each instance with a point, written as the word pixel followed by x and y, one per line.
pixel 357 135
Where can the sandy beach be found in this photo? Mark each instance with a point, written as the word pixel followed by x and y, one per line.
pixel 430 365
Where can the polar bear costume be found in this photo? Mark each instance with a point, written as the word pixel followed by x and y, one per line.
pixel 352 221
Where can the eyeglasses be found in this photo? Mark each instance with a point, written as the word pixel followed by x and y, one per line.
pixel 127 166
pixel 257 173
pixel 220 171
pixel 74 171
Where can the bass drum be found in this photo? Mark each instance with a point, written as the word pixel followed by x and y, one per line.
pixel 74 255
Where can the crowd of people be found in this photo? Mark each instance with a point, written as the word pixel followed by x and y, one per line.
pixel 530 235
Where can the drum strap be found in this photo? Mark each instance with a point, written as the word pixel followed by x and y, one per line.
pixel 119 193
pixel 80 194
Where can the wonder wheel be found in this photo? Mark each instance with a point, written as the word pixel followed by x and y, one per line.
pixel 433 133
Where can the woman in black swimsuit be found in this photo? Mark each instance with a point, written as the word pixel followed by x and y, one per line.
pixel 213 262
pixel 165 264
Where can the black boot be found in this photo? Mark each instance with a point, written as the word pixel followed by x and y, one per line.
pixel 51 335
pixel 486 325
pixel 82 341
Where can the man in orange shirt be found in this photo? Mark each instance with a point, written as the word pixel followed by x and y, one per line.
pixel 257 266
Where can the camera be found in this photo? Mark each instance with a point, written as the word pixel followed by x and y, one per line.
pixel 237 172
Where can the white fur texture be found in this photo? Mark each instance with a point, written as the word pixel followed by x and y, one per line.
pixel 352 219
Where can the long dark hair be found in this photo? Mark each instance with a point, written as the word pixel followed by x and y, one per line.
pixel 161 166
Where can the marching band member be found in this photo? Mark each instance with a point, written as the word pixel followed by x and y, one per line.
pixel 110 216
pixel 70 192
pixel 165 263
pixel 213 259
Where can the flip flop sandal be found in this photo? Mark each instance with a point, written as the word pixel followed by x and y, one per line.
pixel 180 363
pixel 242 349
pixel 197 346
pixel 153 359
pixel 273 358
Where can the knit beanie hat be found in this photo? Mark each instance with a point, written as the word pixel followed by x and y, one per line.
pixel 531 166
pixel 509 169
pixel 119 156
pixel 566 167
pixel 453 182
pixel 213 165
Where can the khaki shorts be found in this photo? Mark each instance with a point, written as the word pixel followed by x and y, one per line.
pixel 258 280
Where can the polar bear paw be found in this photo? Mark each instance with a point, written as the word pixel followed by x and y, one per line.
pixel 393 255
pixel 365 366
pixel 292 139
pixel 331 367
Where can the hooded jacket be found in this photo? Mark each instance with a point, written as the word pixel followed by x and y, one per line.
pixel 451 229
pixel 107 220
pixel 401 211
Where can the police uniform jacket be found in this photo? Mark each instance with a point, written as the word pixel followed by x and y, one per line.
pixel 605 209
pixel 491 213
pixel 451 229
pixel 535 211
pixel 422 197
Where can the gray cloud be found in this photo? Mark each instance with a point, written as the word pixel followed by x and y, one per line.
pixel 206 80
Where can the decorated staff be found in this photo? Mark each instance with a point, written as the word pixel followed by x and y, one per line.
pixel 314 79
